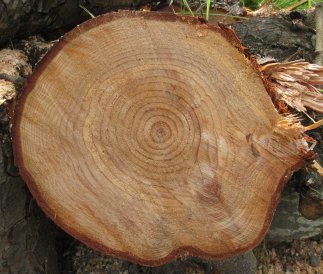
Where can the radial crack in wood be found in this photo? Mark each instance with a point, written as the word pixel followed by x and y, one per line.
pixel 150 136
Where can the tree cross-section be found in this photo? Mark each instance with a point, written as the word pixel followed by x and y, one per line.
pixel 149 136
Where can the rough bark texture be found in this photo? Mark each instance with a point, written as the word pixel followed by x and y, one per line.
pixel 23 18
pixel 279 37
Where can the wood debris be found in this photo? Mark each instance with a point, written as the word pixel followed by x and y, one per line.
pixel 295 83
pixel 7 91
pixel 318 168
pixel 13 64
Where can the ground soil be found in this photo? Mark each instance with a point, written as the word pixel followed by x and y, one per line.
pixel 299 257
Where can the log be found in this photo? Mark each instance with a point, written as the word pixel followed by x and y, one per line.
pixel 279 37
pixel 151 136
pixel 21 18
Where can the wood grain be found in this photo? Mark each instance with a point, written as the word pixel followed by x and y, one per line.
pixel 150 136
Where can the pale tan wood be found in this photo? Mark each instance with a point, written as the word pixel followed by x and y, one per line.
pixel 148 136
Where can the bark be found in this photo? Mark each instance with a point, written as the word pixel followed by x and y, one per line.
pixel 280 37
pixel 23 18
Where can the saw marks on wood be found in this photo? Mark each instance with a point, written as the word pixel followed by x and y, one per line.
pixel 148 136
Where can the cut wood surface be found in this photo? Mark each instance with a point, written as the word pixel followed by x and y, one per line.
pixel 148 136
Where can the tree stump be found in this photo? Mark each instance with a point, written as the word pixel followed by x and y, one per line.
pixel 151 136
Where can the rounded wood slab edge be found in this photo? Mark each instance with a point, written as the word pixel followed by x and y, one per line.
pixel 183 251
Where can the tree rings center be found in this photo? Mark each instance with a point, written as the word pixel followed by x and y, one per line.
pixel 160 132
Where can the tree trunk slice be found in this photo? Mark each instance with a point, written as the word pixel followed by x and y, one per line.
pixel 148 136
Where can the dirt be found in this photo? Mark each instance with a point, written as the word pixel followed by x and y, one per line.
pixel 81 259
pixel 299 257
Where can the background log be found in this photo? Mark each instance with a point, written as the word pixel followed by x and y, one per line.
pixel 23 18
pixel 281 37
